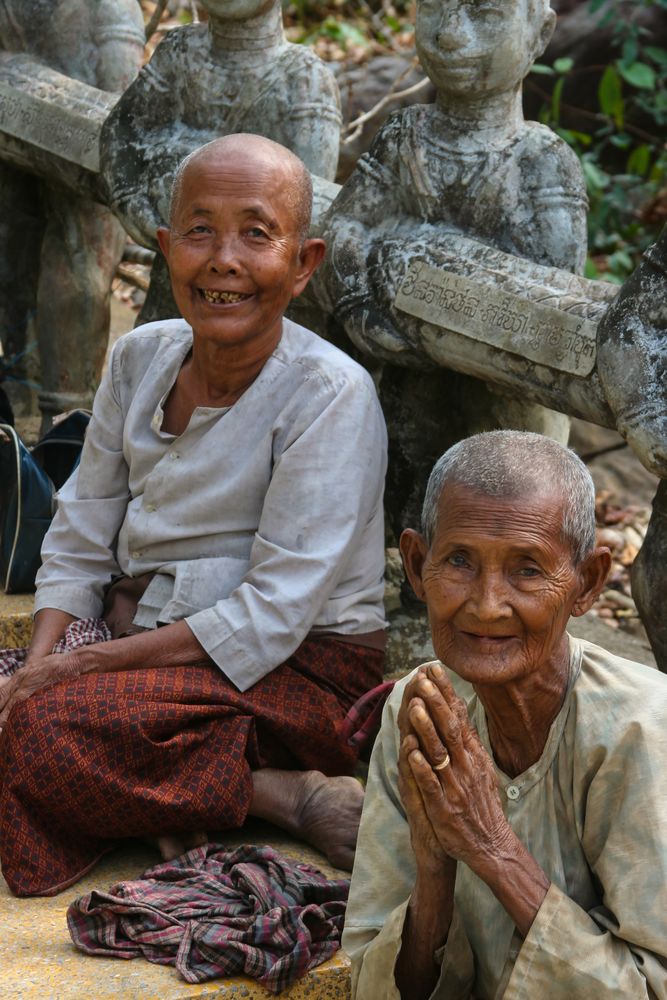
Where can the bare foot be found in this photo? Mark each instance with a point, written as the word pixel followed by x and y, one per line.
pixel 171 847
pixel 325 812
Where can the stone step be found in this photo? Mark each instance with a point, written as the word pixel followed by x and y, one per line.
pixel 15 620
pixel 39 961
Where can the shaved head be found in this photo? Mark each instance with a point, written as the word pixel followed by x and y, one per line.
pixel 298 187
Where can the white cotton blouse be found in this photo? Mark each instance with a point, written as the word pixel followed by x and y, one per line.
pixel 263 521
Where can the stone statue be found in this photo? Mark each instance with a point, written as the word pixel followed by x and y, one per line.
pixel 61 250
pixel 237 73
pixel 632 364
pixel 469 165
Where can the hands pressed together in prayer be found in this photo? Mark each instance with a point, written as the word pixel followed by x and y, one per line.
pixel 449 790
pixel 446 777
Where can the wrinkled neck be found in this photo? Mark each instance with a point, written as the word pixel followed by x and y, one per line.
pixel 250 42
pixel 519 715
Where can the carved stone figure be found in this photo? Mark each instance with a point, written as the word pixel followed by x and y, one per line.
pixel 61 250
pixel 237 73
pixel 632 363
pixel 467 164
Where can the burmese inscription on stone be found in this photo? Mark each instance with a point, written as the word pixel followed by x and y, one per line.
pixel 502 319
pixel 55 129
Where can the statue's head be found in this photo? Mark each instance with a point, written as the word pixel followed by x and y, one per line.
pixel 481 47
pixel 237 10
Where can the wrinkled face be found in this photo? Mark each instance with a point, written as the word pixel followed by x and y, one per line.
pixel 499 584
pixel 478 47
pixel 236 10
pixel 233 249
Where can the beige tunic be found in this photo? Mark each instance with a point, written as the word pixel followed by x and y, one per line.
pixel 592 811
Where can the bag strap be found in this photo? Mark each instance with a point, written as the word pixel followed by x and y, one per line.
pixel 16 443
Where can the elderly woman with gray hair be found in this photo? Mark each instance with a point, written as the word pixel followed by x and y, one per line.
pixel 515 846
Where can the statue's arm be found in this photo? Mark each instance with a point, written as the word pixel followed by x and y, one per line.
pixel 311 119
pixel 142 142
pixel 364 217
pixel 554 232
pixel 119 34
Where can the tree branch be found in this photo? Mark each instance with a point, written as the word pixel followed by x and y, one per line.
pixel 151 27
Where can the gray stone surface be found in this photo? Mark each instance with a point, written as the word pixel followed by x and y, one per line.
pixel 60 249
pixel 237 73
pixel 51 111
pixel 632 362
pixel 500 318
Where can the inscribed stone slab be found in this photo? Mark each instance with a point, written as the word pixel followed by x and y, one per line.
pixel 538 332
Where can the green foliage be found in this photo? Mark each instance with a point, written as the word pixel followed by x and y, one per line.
pixel 348 23
pixel 623 153
pixel 338 31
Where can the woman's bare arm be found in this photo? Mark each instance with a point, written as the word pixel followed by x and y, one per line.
pixel 48 627
pixel 425 930
pixel 431 904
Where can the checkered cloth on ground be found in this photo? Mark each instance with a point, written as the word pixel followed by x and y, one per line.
pixel 218 912
pixel 82 632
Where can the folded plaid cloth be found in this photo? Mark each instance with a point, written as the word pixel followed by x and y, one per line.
pixel 82 632
pixel 218 912
pixel 362 722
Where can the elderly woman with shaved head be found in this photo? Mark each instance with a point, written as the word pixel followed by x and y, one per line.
pixel 223 537
pixel 515 846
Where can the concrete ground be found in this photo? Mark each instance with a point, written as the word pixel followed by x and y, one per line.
pixel 39 962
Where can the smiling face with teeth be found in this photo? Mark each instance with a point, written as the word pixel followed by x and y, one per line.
pixel 234 250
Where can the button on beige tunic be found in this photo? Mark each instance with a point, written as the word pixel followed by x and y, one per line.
pixel 592 811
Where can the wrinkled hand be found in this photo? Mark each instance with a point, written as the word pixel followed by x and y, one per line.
pixel 41 672
pixel 428 851
pixel 460 800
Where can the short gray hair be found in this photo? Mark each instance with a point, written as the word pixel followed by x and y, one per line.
pixel 514 464
pixel 299 193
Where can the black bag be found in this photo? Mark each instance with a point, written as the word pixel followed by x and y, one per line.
pixel 29 478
